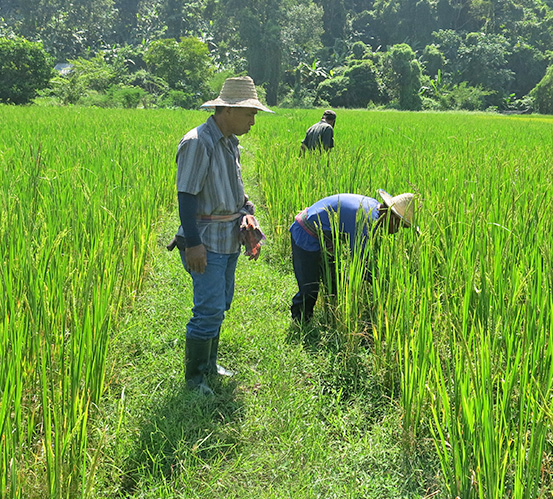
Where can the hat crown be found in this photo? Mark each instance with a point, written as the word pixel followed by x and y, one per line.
pixel 238 89
pixel 402 205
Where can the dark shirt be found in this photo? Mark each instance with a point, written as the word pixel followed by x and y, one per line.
pixel 320 135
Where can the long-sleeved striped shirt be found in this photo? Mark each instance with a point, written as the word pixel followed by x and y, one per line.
pixel 208 166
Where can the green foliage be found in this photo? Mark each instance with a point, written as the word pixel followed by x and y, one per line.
pixel 466 97
pixel 359 50
pixel 359 84
pixel 128 96
pixel 528 66
pixel 438 94
pixel 498 46
pixel 273 33
pixel 185 65
pixel 543 93
pixel 333 91
pixel 448 42
pixel 67 28
pixel 178 98
pixel 482 61
pixel 395 21
pixel 154 85
pixel 403 77
pixel 433 60
pixel 364 84
pixel 25 68
pixel 84 77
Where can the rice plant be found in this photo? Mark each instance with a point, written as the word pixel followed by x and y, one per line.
pixel 457 319
pixel 460 316
pixel 81 191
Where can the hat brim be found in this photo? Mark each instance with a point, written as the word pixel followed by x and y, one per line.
pixel 389 203
pixel 250 103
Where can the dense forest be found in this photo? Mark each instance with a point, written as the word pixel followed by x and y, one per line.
pixel 405 54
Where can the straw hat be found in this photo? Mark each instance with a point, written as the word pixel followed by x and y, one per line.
pixel 238 92
pixel 403 205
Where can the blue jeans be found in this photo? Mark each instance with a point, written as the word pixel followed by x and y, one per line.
pixel 213 292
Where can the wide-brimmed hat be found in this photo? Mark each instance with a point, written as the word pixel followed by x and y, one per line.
pixel 403 205
pixel 238 92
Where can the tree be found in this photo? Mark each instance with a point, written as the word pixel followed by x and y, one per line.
pixel 86 76
pixel 333 91
pixel 255 26
pixel 355 88
pixel 274 33
pixel 542 93
pixel 433 60
pixel 67 29
pixel 528 65
pixel 362 25
pixel 404 77
pixel 183 18
pixel 364 84
pixel 334 21
pixel 482 61
pixel 25 68
pixel 185 65
pixel 125 22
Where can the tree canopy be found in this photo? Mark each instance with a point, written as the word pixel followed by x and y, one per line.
pixel 500 49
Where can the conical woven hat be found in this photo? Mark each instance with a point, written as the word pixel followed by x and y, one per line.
pixel 403 205
pixel 238 92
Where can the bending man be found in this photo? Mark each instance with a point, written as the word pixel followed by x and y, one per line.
pixel 320 219
pixel 320 136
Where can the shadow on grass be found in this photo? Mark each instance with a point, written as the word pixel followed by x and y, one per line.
pixel 346 369
pixel 307 334
pixel 186 430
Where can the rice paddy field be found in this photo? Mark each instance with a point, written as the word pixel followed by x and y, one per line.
pixel 450 341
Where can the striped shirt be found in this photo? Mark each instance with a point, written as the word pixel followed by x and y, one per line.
pixel 208 166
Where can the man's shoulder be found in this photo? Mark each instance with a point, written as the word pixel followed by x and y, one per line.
pixel 203 136
pixel 321 125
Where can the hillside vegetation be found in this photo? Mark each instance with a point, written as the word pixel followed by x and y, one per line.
pixel 400 54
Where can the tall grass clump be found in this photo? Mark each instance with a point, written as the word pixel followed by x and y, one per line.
pixel 460 316
pixel 81 191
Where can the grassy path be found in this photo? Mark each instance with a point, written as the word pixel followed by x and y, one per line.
pixel 286 425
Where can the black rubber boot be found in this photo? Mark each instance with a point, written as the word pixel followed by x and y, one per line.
pixel 197 354
pixel 215 368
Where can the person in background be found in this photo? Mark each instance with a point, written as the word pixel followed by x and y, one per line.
pixel 216 218
pixel 313 227
pixel 320 136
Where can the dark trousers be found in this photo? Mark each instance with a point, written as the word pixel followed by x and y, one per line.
pixel 308 269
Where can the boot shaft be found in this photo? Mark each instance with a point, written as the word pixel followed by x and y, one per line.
pixel 197 361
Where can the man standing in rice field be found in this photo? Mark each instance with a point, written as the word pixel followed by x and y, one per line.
pixel 216 218
pixel 314 226
pixel 320 136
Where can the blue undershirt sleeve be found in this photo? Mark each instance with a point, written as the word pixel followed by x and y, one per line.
pixel 188 208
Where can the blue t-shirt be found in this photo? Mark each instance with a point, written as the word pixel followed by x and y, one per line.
pixel 346 207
